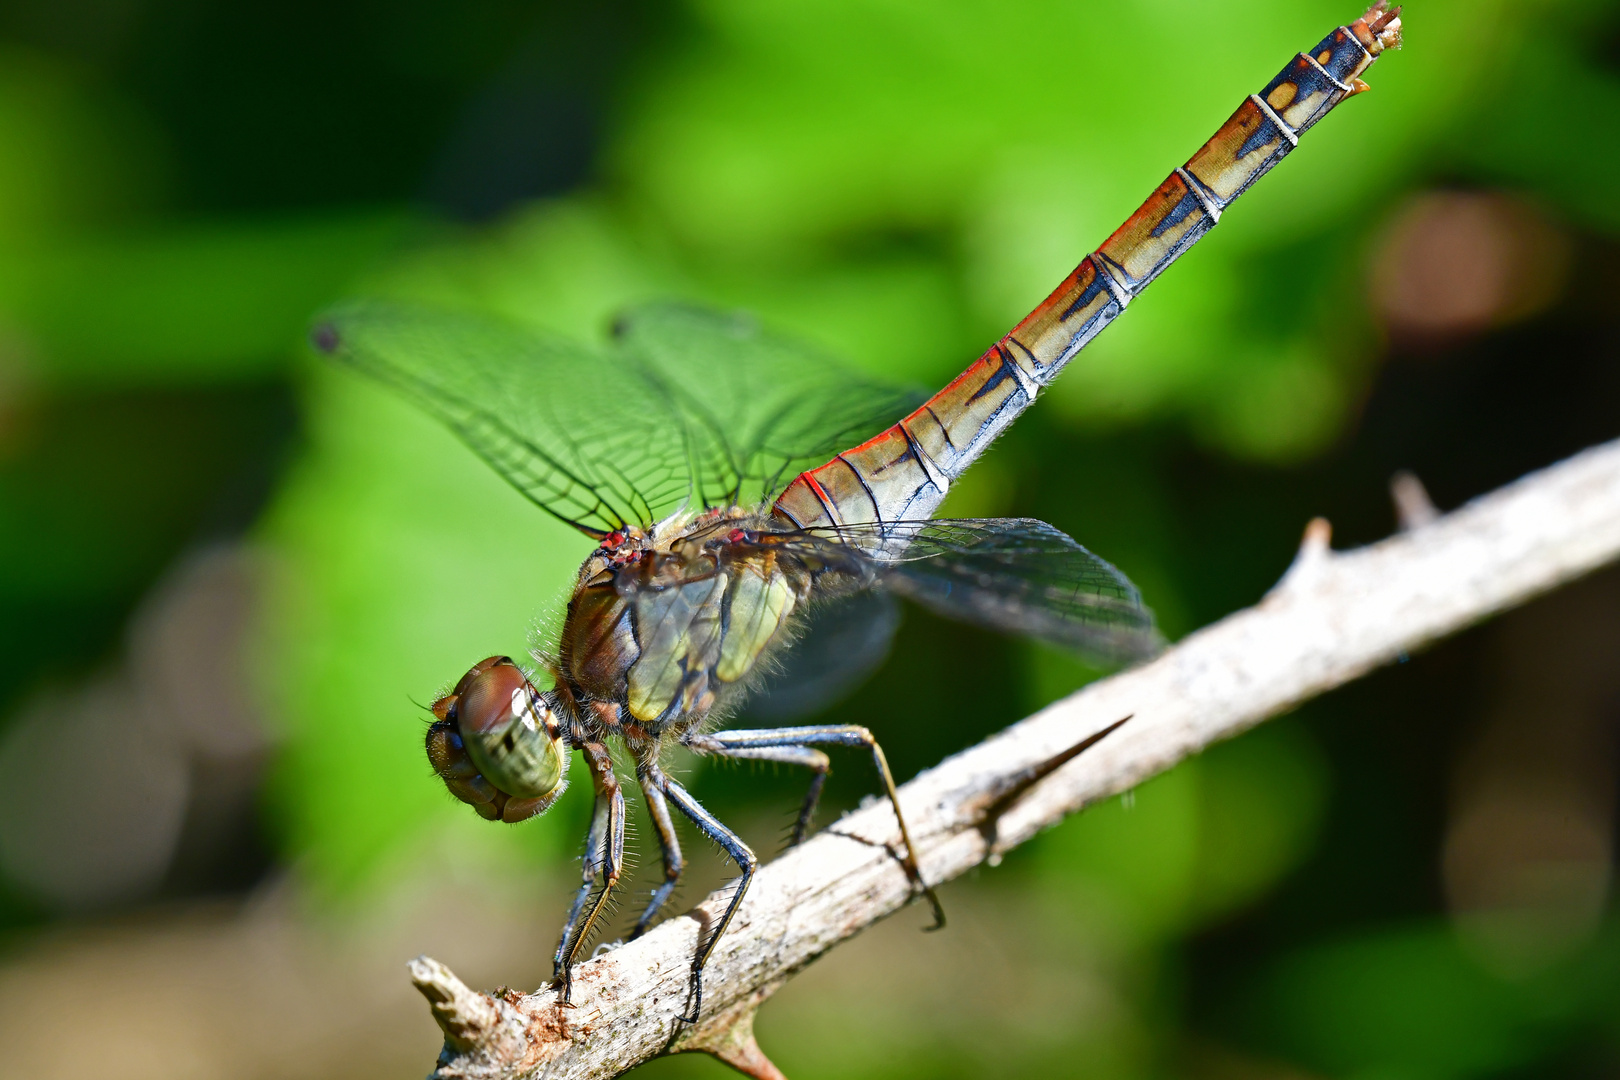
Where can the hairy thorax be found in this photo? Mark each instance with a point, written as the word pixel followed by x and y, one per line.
pixel 663 628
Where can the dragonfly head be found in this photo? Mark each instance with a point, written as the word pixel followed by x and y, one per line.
pixel 497 743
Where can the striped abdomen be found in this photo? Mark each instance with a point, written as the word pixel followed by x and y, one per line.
pixel 904 472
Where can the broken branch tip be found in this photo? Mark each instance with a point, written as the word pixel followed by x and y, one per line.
pixel 465 1015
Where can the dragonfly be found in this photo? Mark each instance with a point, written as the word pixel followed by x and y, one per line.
pixel 742 489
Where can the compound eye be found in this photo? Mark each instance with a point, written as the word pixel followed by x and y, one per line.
pixel 447 707
pixel 488 663
pixel 508 731
pixel 484 700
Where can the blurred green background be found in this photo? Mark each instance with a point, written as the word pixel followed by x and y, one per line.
pixel 228 576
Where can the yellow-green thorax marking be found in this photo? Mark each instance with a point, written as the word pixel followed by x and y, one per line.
pixel 666 629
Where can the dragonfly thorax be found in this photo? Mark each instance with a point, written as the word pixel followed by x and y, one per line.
pixel 619 547
pixel 675 626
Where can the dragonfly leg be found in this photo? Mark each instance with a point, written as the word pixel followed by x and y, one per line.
pixel 591 865
pixel 652 780
pixel 753 743
pixel 807 812
pixel 746 861
pixel 814 760
pixel 604 854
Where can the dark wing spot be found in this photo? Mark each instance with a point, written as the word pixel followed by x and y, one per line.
pixel 325 337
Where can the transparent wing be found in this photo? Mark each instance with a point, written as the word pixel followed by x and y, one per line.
pixel 764 407
pixel 595 442
pixel 1016 575
pixel 684 407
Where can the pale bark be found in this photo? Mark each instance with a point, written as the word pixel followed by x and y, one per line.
pixel 1333 617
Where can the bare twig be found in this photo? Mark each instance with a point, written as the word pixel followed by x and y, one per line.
pixel 1333 617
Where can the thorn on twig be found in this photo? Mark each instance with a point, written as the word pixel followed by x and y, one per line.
pixel 1003 799
pixel 730 1038
pixel 1413 507
pixel 1317 541
pixel 1315 552
pixel 466 1016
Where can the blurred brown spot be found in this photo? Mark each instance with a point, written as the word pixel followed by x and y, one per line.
pixel 1528 854
pixel 145 774
pixel 1455 263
